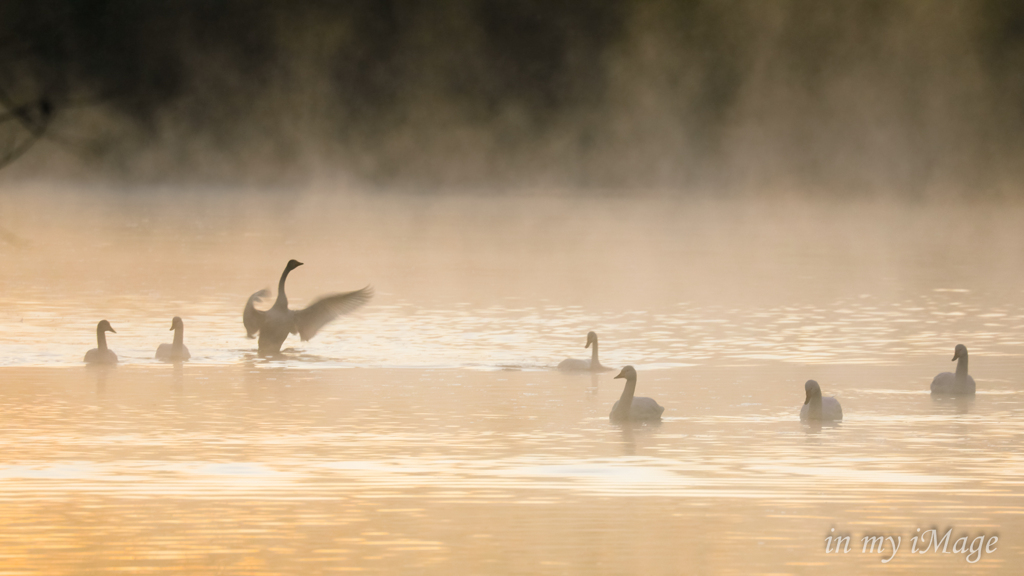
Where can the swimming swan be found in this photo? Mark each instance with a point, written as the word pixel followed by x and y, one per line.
pixel 592 365
pixel 275 324
pixel 635 409
pixel 818 408
pixel 101 354
pixel 177 350
pixel 959 383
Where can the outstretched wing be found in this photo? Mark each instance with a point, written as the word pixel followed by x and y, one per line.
pixel 312 318
pixel 253 318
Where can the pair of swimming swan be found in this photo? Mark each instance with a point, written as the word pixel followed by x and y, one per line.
pixel 172 352
pixel 815 408
pixel 274 325
pixel 628 408
pixel 639 409
pixel 828 409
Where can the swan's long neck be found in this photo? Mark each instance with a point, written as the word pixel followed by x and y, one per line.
pixel 179 337
pixel 282 300
pixel 814 407
pixel 626 400
pixel 594 362
pixel 961 369
pixel 101 339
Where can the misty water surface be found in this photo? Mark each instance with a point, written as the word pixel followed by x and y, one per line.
pixel 429 432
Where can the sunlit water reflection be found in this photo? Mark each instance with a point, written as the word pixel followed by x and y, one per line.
pixel 861 330
pixel 429 433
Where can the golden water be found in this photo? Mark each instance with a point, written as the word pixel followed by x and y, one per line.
pixel 429 433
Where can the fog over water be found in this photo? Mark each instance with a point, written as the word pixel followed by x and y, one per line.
pixel 430 432
pixel 736 196
pixel 897 98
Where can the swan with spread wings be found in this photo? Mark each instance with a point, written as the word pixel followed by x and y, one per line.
pixel 274 325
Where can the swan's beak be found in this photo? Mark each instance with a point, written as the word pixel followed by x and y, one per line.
pixel 956 355
pixel 621 375
pixel 807 398
pixel 588 343
pixel 298 263
pixel 111 329
pixel 172 328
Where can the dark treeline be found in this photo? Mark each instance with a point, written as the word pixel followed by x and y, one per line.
pixel 873 95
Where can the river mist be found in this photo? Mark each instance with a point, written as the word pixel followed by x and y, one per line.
pixel 735 196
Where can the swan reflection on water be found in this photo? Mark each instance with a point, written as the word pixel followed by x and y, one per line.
pixel 255 359
pixel 630 431
pixel 818 426
pixel 178 384
pixel 102 372
pixel 956 403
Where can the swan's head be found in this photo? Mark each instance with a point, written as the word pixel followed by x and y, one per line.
pixel 177 323
pixel 959 352
pixel 812 390
pixel 292 265
pixel 628 372
pixel 104 326
pixel 591 338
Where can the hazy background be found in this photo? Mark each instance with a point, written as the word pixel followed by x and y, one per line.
pixel 911 98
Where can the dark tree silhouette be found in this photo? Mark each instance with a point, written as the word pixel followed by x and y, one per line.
pixel 611 94
pixel 26 122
